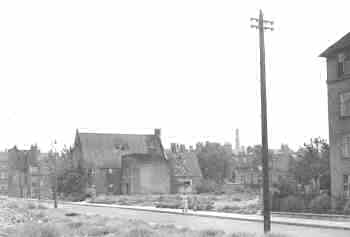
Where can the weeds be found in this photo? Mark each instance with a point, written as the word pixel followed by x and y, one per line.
pixel 211 233
pixel 140 232
pixel 31 206
pixel 37 230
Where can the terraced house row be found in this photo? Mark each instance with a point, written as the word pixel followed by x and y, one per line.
pixel 115 164
pixel 135 164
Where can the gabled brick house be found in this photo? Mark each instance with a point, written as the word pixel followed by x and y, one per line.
pixel 123 163
pixel 186 174
pixel 3 173
pixel 338 85
pixel 21 163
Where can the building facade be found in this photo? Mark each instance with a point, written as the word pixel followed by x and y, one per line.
pixel 123 163
pixel 3 173
pixel 28 174
pixel 21 163
pixel 338 85
pixel 186 174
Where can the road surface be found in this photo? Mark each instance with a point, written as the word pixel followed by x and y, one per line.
pixel 201 223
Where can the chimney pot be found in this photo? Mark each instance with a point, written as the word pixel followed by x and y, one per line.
pixel 173 147
pixel 157 132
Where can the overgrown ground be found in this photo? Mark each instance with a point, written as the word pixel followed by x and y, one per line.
pixel 30 219
pixel 243 202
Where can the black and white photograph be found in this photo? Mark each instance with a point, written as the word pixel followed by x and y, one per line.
pixel 187 118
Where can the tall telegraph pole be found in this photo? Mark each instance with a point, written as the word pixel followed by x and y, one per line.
pixel 55 174
pixel 265 155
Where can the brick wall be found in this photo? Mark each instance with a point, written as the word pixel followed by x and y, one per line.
pixel 145 175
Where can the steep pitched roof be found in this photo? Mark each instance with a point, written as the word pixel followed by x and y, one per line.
pixel 341 44
pixel 3 156
pixel 184 164
pixel 106 150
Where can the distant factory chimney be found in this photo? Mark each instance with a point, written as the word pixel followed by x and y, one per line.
pixel 238 145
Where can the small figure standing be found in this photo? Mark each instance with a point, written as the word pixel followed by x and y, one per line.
pixel 185 203
pixel 195 203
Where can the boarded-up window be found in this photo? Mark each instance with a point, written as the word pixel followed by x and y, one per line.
pixel 346 67
pixel 345 104
pixel 346 180
pixel 346 146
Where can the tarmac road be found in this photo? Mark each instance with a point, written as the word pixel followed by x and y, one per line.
pixel 200 223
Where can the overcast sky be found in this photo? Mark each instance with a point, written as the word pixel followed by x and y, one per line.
pixel 188 67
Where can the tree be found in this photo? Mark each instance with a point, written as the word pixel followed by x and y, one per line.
pixel 213 160
pixel 71 179
pixel 312 164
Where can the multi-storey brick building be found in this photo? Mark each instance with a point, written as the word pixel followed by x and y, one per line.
pixel 3 173
pixel 28 174
pixel 338 83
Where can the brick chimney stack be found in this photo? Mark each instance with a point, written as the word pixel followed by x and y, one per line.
pixel 157 132
pixel 173 147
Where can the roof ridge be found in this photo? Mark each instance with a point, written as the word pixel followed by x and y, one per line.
pixel 128 134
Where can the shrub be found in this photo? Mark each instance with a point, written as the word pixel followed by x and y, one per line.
pixel 75 225
pixel 347 207
pixel 199 203
pixel 72 182
pixel 72 214
pixel 98 231
pixel 90 193
pixel 76 197
pixel 242 234
pixel 40 215
pixel 286 188
pixel 275 235
pixel 103 199
pixel 31 206
pixel 207 186
pixel 292 203
pixel 320 203
pixel 12 205
pixel 42 207
pixel 140 232
pixel 211 233
pixel 37 230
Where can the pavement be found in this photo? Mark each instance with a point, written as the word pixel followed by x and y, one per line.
pixel 195 222
pixel 343 225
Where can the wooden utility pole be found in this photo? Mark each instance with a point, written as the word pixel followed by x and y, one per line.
pixel 265 150
pixel 55 174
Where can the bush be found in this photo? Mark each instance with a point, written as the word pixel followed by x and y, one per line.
pixel 200 203
pixel 35 230
pixel 275 235
pixel 347 208
pixel 42 207
pixel 103 199
pixel 286 188
pixel 12 205
pixel 140 232
pixel 31 206
pixel 242 234
pixel 90 193
pixel 211 233
pixel 291 203
pixel 207 186
pixel 320 203
pixel 72 181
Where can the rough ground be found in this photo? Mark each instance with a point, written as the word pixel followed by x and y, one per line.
pixel 30 219
pixel 245 202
